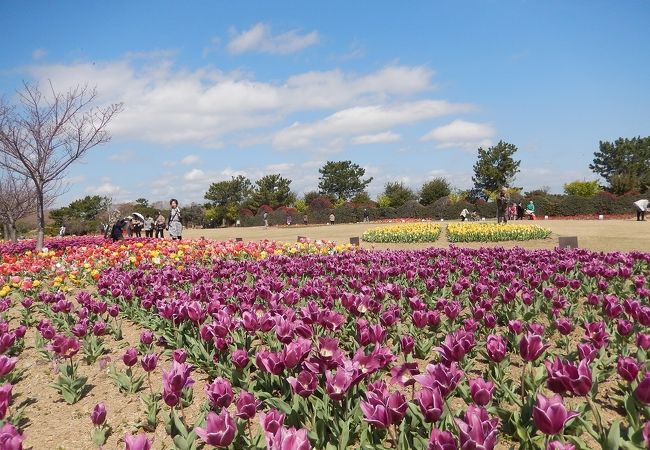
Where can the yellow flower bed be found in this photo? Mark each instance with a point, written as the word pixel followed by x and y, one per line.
pixel 407 232
pixel 492 232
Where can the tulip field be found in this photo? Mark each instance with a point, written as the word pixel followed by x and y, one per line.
pixel 146 344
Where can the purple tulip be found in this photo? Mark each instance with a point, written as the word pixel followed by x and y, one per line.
pixel 5 398
pixel 557 445
pixel 441 440
pixel 481 391
pixel 64 346
pixel 438 375
pixel 455 346
pixel 296 351
pixel 396 406
pixel 402 374
pixel 531 347
pixel 240 358
pixel 174 381
pixel 550 415
pixel 271 421
pixel 146 337
pixel 431 403
pixel 246 405
pixel 219 429
pixel 289 439
pixel 375 411
pixel 624 327
pixel 138 442
pixel 596 333
pixel 130 357
pixel 149 362
pixel 99 328
pixel 406 344
pixel 642 391
pixel 496 347
pixel 98 416
pixel 179 355
pixel 564 376
pixel 219 393
pixel 477 429
pixel 515 326
pixel 587 352
pixel 113 310
pixel 564 326
pixel 271 362
pixel 628 368
pixel 7 364
pixel 337 384
pixel 643 341
pixel 304 384
pixel 10 438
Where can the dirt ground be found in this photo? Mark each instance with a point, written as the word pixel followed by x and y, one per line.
pixel 599 235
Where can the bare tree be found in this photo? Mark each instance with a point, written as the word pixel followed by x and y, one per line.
pixel 45 133
pixel 17 201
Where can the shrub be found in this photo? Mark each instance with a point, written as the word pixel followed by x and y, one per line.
pixel 582 188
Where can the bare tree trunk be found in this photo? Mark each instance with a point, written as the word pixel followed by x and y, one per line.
pixel 40 216
pixel 12 232
pixel 5 230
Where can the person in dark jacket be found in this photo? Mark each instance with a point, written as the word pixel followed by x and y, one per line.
pixel 502 206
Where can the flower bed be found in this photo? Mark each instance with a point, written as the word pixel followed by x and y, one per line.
pixel 76 261
pixel 437 348
pixel 491 232
pixel 408 232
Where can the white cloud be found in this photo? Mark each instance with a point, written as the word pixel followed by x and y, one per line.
pixel 363 119
pixel 213 47
pixel 39 53
pixel 122 157
pixel 379 138
pixel 190 159
pixel 194 175
pixel 107 188
pixel 259 39
pixel 461 134
pixel 206 107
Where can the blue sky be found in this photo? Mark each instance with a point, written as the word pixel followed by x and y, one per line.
pixel 408 90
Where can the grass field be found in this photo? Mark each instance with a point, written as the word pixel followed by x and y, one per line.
pixel 600 235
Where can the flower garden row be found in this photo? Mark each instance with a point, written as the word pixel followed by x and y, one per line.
pixel 456 232
pixel 365 349
pixel 73 262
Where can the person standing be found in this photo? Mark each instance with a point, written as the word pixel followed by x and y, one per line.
pixel 266 219
pixel 148 227
pixel 502 206
pixel 641 207
pixel 366 215
pixel 305 219
pixel 62 231
pixel 174 223
pixel 332 219
pixel 129 226
pixel 160 226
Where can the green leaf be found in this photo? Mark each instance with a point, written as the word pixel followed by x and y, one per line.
pixel 613 437
pixel 344 438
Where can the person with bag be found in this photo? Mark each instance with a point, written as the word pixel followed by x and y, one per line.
pixel 174 225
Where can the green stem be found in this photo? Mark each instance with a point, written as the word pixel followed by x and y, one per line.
pixel 596 413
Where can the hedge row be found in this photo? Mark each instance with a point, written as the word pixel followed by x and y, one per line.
pixel 551 205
